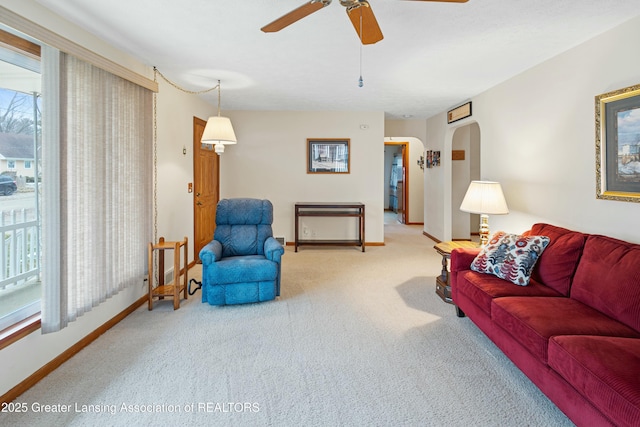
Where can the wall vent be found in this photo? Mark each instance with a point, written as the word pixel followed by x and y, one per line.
pixel 281 240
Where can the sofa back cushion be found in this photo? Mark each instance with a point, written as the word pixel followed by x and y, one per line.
pixel 608 279
pixel 559 261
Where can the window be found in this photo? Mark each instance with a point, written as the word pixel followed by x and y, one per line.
pixel 97 129
pixel 20 284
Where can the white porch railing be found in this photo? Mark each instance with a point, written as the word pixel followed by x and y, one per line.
pixel 19 249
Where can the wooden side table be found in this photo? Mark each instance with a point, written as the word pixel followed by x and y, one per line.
pixel 160 289
pixel 443 286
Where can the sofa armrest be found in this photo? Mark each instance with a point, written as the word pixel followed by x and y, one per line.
pixel 273 250
pixel 461 258
pixel 211 253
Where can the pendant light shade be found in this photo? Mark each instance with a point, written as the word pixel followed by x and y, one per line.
pixel 218 130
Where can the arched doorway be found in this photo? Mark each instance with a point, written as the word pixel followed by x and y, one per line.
pixel 396 187
pixel 412 190
pixel 465 167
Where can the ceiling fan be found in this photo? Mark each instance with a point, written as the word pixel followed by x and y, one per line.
pixel 359 12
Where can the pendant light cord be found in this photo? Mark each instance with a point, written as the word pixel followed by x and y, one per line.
pixel 200 92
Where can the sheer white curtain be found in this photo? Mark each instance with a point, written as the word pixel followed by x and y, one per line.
pixel 104 200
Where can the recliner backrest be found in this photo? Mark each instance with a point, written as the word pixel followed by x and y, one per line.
pixel 243 225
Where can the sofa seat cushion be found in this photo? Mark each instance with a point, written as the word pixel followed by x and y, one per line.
pixel 533 320
pixel 483 288
pixel 603 369
pixel 241 269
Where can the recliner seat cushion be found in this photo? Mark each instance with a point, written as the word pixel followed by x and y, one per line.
pixel 606 370
pixel 240 269
pixel 533 320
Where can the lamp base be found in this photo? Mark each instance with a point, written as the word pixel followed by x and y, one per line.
pixel 484 229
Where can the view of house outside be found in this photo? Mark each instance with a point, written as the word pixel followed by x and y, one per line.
pixel 20 286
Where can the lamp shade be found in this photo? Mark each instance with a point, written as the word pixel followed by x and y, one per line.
pixel 219 131
pixel 484 197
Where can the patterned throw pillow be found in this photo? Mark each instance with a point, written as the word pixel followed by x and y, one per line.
pixel 510 256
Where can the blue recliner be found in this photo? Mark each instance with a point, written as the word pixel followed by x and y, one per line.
pixel 242 263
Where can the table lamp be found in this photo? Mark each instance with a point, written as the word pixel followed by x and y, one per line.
pixel 484 198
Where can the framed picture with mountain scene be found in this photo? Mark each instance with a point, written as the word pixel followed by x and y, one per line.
pixel 617 117
pixel 328 155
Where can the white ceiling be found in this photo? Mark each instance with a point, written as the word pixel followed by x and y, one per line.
pixel 434 56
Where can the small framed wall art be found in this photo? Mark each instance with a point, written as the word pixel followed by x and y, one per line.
pixel 328 156
pixel 617 119
pixel 459 113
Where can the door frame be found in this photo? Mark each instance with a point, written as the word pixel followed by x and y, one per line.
pixel 405 179
pixel 197 146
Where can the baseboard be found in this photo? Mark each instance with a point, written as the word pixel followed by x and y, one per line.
pixel 365 244
pixel 34 378
pixel 431 237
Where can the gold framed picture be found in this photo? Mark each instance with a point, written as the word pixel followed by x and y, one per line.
pixel 617 119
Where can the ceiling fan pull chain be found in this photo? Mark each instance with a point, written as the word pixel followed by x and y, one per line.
pixel 360 81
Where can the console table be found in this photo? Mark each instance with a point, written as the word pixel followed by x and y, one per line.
pixel 327 209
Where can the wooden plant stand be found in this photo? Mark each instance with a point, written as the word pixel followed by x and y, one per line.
pixel 161 290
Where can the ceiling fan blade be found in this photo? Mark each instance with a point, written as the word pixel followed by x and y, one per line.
pixel 371 32
pixel 295 15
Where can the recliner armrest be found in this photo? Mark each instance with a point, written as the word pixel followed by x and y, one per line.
pixel 461 258
pixel 273 250
pixel 211 253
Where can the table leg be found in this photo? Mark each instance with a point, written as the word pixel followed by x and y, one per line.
pixel 296 230
pixel 445 272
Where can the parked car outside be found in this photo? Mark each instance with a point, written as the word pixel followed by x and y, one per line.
pixel 7 185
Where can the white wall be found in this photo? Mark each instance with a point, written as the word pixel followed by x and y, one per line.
pixel 269 161
pixel 538 139
pixel 175 113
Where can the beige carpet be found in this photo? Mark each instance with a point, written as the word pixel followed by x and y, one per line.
pixel 356 339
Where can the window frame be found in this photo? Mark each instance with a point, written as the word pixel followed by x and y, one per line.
pixel 30 323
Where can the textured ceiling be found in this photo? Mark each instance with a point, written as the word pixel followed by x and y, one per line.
pixel 434 56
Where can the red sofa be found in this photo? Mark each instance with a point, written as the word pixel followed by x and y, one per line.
pixel 574 330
